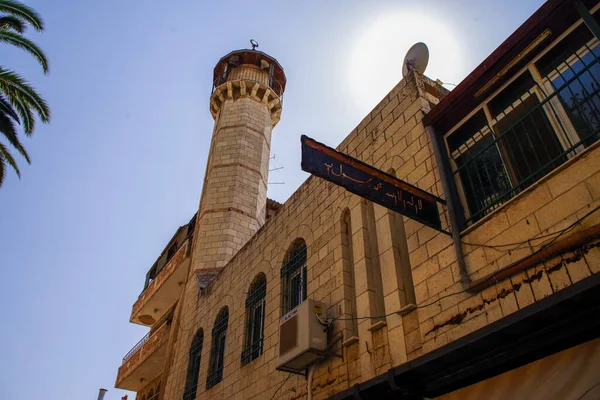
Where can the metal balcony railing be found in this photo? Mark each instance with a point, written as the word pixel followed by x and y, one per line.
pixel 158 329
pixel 547 124
pixel 274 84
pixel 135 348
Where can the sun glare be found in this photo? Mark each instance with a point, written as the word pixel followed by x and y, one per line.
pixel 376 57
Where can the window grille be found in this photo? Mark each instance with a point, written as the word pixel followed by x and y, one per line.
pixel 546 116
pixel 293 277
pixel 191 382
pixel 255 319
pixel 217 353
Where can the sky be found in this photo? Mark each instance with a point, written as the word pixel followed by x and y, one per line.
pixel 120 166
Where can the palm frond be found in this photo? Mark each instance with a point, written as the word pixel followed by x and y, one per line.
pixel 8 129
pixel 7 108
pixel 8 22
pixel 23 97
pixel 26 115
pixel 22 42
pixel 23 12
pixel 2 168
pixel 9 158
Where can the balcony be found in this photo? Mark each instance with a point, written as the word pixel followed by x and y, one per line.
pixel 163 286
pixel 145 361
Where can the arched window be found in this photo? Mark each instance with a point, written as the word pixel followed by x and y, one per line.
pixel 255 319
pixel 217 352
pixel 293 276
pixel 144 397
pixel 151 395
pixel 191 381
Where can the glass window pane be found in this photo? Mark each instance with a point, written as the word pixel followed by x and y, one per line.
pixel 528 141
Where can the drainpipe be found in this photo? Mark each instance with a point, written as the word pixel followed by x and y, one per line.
pixel 455 213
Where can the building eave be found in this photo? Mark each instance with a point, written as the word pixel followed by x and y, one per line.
pixel 555 15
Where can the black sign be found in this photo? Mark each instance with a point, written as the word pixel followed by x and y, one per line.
pixel 370 183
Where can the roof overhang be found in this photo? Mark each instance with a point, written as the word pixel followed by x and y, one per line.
pixel 253 57
pixel 515 52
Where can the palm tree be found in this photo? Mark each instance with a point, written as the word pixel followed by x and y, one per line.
pixel 19 101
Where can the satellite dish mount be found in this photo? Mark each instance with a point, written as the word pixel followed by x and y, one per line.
pixel 416 59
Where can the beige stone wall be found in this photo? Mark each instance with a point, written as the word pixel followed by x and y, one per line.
pixel 234 195
pixel 365 260
pixel 551 205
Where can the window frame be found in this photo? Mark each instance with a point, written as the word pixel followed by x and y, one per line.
pixel 256 300
pixel 218 349
pixel 194 362
pixel 290 272
pixel 563 128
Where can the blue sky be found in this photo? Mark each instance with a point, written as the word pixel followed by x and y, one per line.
pixel 121 165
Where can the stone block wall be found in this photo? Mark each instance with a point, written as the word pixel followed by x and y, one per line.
pixel 365 261
pixel 234 194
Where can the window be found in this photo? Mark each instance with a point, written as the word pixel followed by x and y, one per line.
pixel 191 381
pixel 151 395
pixel 527 141
pixel 543 117
pixel 217 352
pixel 293 276
pixel 255 319
pixel 571 69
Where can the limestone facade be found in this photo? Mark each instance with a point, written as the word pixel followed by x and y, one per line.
pixel 364 262
pixel 393 261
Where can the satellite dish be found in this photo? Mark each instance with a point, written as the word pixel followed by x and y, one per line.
pixel 416 58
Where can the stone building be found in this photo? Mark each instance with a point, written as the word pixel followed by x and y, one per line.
pixel 504 304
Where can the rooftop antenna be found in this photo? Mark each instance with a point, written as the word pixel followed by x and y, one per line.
pixel 254 44
pixel 416 59
pixel 275 169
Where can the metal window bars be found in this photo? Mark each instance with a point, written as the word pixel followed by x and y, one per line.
pixel 217 354
pixel 190 393
pixel 293 277
pixel 548 124
pixel 275 85
pixel 195 357
pixel 255 314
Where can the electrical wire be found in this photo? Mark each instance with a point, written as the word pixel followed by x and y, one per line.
pixel 286 379
pixel 538 237
pixel 491 277
pixel 494 246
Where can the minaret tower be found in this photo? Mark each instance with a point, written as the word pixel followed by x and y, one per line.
pixel 246 100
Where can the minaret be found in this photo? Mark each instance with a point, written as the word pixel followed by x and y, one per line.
pixel 248 86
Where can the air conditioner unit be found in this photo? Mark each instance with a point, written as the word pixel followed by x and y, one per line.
pixel 302 338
